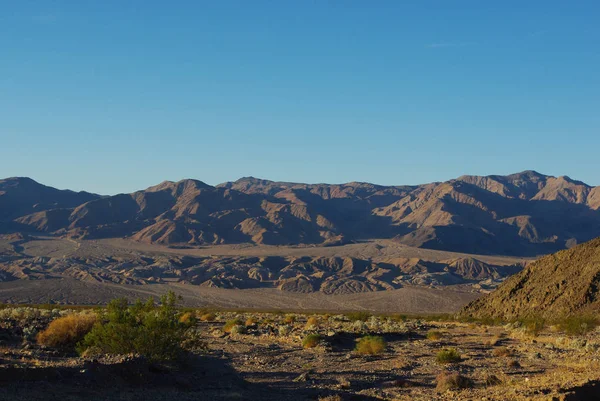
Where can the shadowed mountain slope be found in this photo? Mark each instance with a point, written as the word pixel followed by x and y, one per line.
pixel 20 196
pixel 556 285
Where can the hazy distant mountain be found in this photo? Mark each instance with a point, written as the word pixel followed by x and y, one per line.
pixel 520 214
pixel 20 196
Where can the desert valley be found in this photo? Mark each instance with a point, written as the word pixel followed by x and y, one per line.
pixel 300 291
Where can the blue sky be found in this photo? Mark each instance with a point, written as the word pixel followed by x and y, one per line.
pixel 114 96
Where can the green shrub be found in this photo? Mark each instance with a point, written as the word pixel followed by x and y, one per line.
pixel 67 331
pixel 152 331
pixel 448 355
pixel 358 316
pixel 371 345
pixel 311 341
pixel 578 325
pixel 230 324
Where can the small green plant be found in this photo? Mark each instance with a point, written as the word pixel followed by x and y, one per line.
pixel 358 316
pixel 143 328
pixel 311 341
pixel 370 345
pixel 448 355
pixel 289 319
pixel 230 324
pixel 434 335
pixel 578 325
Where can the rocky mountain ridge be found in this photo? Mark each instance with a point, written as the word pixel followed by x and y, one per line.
pixel 523 214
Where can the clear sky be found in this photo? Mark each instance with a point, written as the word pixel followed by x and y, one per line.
pixel 114 96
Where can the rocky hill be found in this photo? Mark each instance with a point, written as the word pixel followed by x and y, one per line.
pixel 20 196
pixel 520 214
pixel 556 285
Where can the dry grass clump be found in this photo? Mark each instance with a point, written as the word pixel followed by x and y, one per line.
pixel 250 321
pixel 448 355
pixel 452 381
pixel 67 331
pixel 187 318
pixel 434 335
pixel 289 319
pixel 370 345
pixel 312 322
pixel 208 317
pixel 230 324
pixel 311 341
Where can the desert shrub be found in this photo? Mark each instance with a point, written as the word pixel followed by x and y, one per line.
pixel 312 321
pixel 370 345
pixel 452 381
pixel 67 331
pixel 208 317
pixel 434 335
pixel 152 331
pixel 534 325
pixel 284 330
pixel 250 321
pixel 448 355
pixel 578 325
pixel 289 319
pixel 30 333
pixel 311 341
pixel 399 318
pixel 230 324
pixel 193 341
pixel 358 316
pixel 238 329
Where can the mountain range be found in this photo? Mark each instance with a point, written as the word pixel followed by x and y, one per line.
pixel 522 214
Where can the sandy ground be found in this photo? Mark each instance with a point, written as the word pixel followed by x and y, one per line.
pixel 403 300
pixel 268 362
